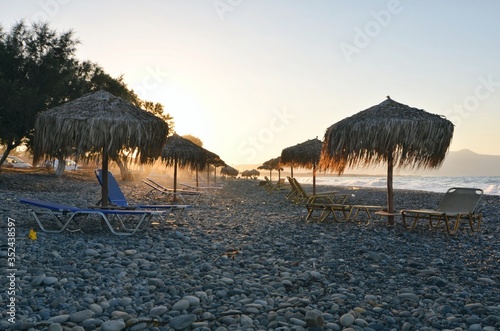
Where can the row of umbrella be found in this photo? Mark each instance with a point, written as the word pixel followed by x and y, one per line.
pixel 389 133
pixel 101 124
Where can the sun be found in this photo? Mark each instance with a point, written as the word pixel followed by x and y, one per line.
pixel 189 113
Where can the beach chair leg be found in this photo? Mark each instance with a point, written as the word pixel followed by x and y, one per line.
pixel 55 217
pixel 130 231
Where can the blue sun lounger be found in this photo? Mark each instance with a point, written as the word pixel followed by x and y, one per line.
pixel 64 215
pixel 117 198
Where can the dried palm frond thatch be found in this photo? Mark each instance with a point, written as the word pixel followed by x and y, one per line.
pixel 272 164
pixel 229 171
pixel 98 123
pixel 182 153
pixel 305 155
pixel 391 133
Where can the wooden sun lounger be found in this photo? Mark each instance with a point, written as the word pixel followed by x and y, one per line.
pixel 458 204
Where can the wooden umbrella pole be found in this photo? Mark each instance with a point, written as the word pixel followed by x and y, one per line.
pixel 197 177
pixel 104 187
pixel 390 193
pixel 175 180
pixel 291 170
pixel 314 178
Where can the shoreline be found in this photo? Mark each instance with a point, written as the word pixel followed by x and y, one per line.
pixel 246 259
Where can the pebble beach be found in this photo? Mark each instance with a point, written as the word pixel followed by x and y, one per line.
pixel 246 259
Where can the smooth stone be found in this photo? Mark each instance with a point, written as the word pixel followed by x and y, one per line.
pixel 193 301
pixel 119 314
pixel 81 316
pixel 97 309
pixel 360 322
pixel 408 296
pixel 139 327
pixel 181 305
pixel 182 322
pixel 158 310
pixel 55 327
pixel 346 320
pixel 38 280
pixel 113 325
pixel 296 321
pixel 59 319
pixel 91 323
pixel 156 282
pixel 227 281
pixel 314 319
pixel 91 252
pixel 246 320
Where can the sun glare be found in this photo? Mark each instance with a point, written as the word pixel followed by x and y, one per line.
pixel 188 112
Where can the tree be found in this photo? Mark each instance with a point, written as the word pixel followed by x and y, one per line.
pixel 36 68
pixel 38 71
pixel 158 110
pixel 193 139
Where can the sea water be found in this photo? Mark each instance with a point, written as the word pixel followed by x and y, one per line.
pixel 489 184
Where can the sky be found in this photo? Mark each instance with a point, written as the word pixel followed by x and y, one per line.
pixel 252 77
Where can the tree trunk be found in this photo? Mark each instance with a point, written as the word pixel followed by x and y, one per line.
pixel 390 192
pixel 124 171
pixel 61 166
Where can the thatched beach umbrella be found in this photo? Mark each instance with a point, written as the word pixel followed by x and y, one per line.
pixel 305 155
pixel 215 162
pixel 180 152
pixel 98 122
pixel 212 160
pixel 272 164
pixel 391 133
pixel 229 171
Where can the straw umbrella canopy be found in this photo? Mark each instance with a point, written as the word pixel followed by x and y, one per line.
pixel 229 171
pixel 306 155
pixel 182 153
pixel 272 164
pixel 388 133
pixel 98 122
pixel 215 162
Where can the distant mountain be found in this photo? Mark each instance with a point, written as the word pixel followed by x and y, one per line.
pixel 459 163
pixel 468 163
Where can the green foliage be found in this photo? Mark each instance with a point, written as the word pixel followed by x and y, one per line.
pixel 35 69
